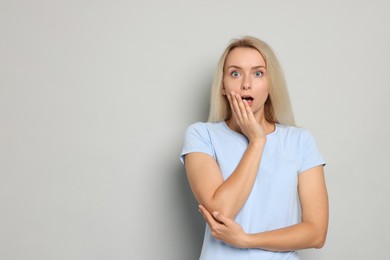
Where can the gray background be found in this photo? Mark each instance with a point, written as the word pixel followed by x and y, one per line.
pixel 95 97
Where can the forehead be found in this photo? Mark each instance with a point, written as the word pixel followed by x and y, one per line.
pixel 244 57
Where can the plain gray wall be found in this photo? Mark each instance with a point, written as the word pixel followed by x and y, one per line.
pixel 95 97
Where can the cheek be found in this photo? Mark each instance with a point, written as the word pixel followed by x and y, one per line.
pixel 262 92
pixel 231 85
pixel 265 92
pixel 262 86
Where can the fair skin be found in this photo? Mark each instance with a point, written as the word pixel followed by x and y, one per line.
pixel 245 76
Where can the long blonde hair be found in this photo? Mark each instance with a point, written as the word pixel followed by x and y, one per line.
pixel 277 107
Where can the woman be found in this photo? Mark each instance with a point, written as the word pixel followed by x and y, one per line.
pixel 258 179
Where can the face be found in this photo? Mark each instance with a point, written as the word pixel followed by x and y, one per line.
pixel 245 73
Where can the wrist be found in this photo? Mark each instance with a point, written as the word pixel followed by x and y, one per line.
pixel 246 241
pixel 258 141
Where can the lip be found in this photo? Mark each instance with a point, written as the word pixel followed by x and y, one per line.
pixel 249 99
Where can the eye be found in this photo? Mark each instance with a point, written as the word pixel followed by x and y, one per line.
pixel 258 74
pixel 235 74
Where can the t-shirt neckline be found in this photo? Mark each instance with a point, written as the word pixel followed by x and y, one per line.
pixel 237 133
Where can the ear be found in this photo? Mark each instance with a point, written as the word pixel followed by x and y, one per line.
pixel 223 90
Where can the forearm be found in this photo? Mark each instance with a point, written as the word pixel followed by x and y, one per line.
pixel 231 195
pixel 310 233
pixel 296 237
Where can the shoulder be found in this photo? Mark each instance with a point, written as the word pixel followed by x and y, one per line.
pixel 200 137
pixel 295 137
pixel 293 132
pixel 197 126
pixel 203 128
pixel 298 143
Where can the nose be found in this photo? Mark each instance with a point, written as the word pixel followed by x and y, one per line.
pixel 246 84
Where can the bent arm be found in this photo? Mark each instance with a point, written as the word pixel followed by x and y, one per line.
pixel 310 233
pixel 205 178
pixel 212 191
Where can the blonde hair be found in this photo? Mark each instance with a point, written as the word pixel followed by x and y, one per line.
pixel 277 107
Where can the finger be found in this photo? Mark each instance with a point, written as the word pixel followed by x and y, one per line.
pixel 231 105
pixel 235 108
pixel 229 99
pixel 221 218
pixel 248 110
pixel 207 216
pixel 241 106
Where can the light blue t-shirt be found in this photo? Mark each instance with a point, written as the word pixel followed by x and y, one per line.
pixel 273 202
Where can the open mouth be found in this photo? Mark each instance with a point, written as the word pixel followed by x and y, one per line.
pixel 249 99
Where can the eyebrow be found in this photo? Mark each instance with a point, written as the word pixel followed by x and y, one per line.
pixel 238 67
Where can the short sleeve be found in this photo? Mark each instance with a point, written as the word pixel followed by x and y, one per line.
pixel 311 156
pixel 197 139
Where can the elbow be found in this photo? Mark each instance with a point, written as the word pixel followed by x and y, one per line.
pixel 226 211
pixel 319 244
pixel 320 240
pixel 317 232
pixel 222 206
